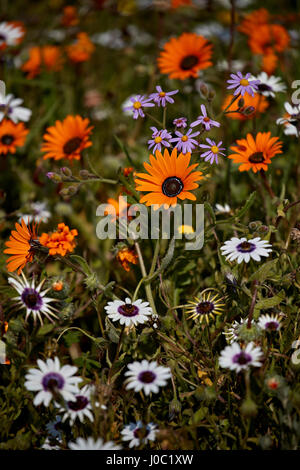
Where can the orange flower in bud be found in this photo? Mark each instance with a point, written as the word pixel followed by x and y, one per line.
pixel 57 286
pixel 60 242
pixel 127 256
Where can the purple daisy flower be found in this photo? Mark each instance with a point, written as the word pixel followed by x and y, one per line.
pixel 211 155
pixel 185 142
pixel 242 84
pixel 205 120
pixel 162 97
pixel 180 122
pixel 138 103
pixel 159 138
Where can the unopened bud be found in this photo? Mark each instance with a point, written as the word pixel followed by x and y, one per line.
pixel 54 177
pixel 92 281
pixel 84 174
pixel 72 190
pixel 241 102
pixel 204 89
pixel 248 408
pixel 211 95
pixel 263 229
pixel 174 407
pixel 66 171
pixel 249 110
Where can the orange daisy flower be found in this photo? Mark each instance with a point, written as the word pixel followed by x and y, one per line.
pixel 182 57
pixel 70 17
pixel 255 153
pixel 258 102
pixel 170 177
pixel 82 49
pixel 20 246
pixel 60 242
pixel 118 208
pixel 254 19
pixel 47 57
pixel 11 136
pixel 127 256
pixel 67 139
pixel 180 3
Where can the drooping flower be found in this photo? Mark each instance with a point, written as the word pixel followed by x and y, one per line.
pixel 127 256
pixel 10 108
pixel 39 213
pixel 128 313
pixel 67 138
pixel 213 151
pixel 184 56
pixel 138 433
pixel 147 376
pixel 235 358
pixel 92 444
pixel 241 249
pixel 33 298
pixel 138 103
pixel 206 306
pixel 269 85
pixel 163 97
pixel 170 177
pixel 253 106
pixel 206 121
pixel 60 242
pixel 46 57
pixel 11 136
pixel 20 246
pixel 185 142
pixel 255 153
pixel 269 322
pixel 51 380
pixel 81 50
pixel 80 408
pixel 242 84
pixel 159 138
pixel 180 122
pixel 10 34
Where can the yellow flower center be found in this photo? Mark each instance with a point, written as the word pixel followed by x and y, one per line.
pixel 214 149
pixel 184 138
pixel 162 94
pixel 185 229
pixel 244 82
pixel 137 105
pixel 157 139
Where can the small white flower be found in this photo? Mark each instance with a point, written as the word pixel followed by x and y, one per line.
pixel 92 444
pixel 231 334
pixel 269 322
pixel 128 313
pixel 33 298
pixel 269 84
pixel 223 209
pixel 39 213
pixel 48 446
pixel 236 65
pixel 81 407
pixel 51 379
pixel 233 357
pixel 147 376
pixel 138 433
pixel 291 120
pixel 9 34
pixel 241 249
pixel 10 108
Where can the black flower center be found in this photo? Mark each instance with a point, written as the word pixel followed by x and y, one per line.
pixel 246 247
pixel 53 381
pixel 172 186
pixel 272 325
pixel 128 310
pixel 80 403
pixel 7 139
pixel 2 37
pixel 188 62
pixel 204 308
pixel 242 358
pixel 32 299
pixel 264 87
pixel 141 433
pixel 147 377
pixel 72 145
pixel 257 157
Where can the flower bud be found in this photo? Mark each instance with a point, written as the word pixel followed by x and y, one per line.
pixel 54 177
pixel 66 171
pixel 241 102
pixel 263 229
pixel 249 110
pixel 84 174
pixel 248 408
pixel 72 190
pixel 174 408
pixel 250 334
pixel 92 281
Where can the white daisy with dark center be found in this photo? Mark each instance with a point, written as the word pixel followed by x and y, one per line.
pixel 147 376
pixel 241 249
pixel 10 107
pixel 269 84
pixel 138 433
pixel 9 34
pixel 33 298
pixel 81 407
pixel 232 333
pixel 128 313
pixel 51 380
pixel 91 444
pixel 234 357
pixel 269 322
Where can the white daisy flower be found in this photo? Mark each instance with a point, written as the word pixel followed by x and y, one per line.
pixel 33 298
pixel 39 213
pixel 236 65
pixel 241 249
pixel 10 108
pixel 128 313
pixel 147 376
pixel 48 446
pixel 291 120
pixel 233 357
pixel 138 433
pixel 223 209
pixel 81 407
pixel 92 444
pixel 269 322
pixel 52 379
pixel 231 334
pixel 9 34
pixel 269 84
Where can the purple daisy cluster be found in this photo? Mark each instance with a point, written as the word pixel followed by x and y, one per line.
pixel 242 84
pixel 139 102
pixel 159 138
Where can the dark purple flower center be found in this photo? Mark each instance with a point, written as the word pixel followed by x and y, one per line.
pixel 7 139
pixel 272 325
pixel 32 299
pixel 147 377
pixel 141 433
pixel 80 403
pixel 188 62
pixel 257 157
pixel 242 358
pixel 246 247
pixel 72 145
pixel 53 381
pixel 2 37
pixel 128 310
pixel 264 87
pixel 172 186
pixel 204 308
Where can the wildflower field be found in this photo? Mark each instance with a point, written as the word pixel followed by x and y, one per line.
pixel 150 225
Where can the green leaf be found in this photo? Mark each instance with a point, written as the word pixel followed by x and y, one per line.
pixel 264 271
pixel 111 331
pixel 82 263
pixel 209 209
pixel 45 329
pixel 270 302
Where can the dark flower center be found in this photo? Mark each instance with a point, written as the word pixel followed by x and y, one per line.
pixel 172 186
pixel 7 139
pixel 272 325
pixel 246 247
pixel 128 310
pixel 241 358
pixel 188 62
pixel 141 433
pixel 32 299
pixel 80 403
pixel 257 157
pixel 147 377
pixel 2 37
pixel 264 87
pixel 71 145
pixel 52 381
pixel 204 308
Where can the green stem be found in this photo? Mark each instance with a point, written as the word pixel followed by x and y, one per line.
pixel 144 273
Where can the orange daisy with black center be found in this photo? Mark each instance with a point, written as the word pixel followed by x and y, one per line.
pixel 21 246
pixel 255 153
pixel 182 57
pixel 11 136
pixel 170 177
pixel 67 138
